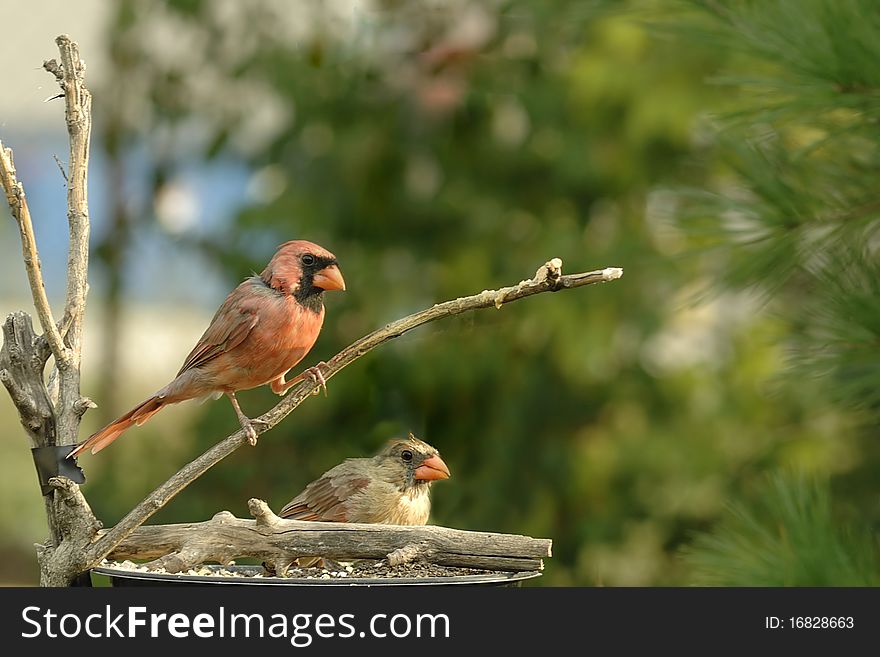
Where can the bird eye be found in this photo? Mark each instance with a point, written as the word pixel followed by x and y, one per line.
pixel 406 455
pixel 308 259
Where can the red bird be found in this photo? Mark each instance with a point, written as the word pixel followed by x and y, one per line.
pixel 265 327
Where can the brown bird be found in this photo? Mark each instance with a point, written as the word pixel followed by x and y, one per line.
pixel 391 488
pixel 265 327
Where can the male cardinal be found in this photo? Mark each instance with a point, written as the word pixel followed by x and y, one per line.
pixel 391 488
pixel 265 327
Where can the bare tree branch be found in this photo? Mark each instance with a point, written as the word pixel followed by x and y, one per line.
pixel 22 359
pixel 60 564
pixel 22 215
pixel 78 112
pixel 70 74
pixel 548 278
pixel 51 416
pixel 279 542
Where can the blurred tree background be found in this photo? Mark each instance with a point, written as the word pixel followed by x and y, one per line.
pixel 707 419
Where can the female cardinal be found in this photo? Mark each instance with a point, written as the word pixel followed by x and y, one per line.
pixel 265 327
pixel 391 488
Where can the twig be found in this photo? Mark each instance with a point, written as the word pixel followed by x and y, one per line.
pixel 548 278
pixel 60 167
pixel 22 214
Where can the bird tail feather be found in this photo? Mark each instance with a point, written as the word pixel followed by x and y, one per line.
pixel 136 416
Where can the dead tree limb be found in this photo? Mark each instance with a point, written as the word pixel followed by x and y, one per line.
pixel 63 339
pixel 52 420
pixel 18 205
pixel 278 542
pixel 78 114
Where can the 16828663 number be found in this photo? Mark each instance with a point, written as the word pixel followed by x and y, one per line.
pixel 821 622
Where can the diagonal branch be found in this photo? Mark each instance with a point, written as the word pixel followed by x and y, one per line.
pixel 22 214
pixel 548 278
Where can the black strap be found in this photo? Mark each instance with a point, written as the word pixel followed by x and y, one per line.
pixel 52 461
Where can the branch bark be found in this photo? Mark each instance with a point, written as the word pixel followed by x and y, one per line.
pixel 53 419
pixel 22 361
pixel 61 564
pixel 279 542
pixel 548 278
pixel 18 204
pixel 78 113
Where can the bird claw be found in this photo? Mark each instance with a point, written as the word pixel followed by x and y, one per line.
pixel 317 377
pixel 251 434
pixel 250 431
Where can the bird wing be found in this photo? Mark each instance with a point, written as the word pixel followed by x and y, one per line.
pixel 324 500
pixel 231 324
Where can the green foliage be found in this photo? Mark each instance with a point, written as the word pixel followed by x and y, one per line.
pixel 799 216
pixel 800 147
pixel 795 216
pixel 786 535
pixel 840 342
pixel 807 59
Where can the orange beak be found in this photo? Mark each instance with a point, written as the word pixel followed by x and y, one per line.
pixel 329 278
pixel 431 469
